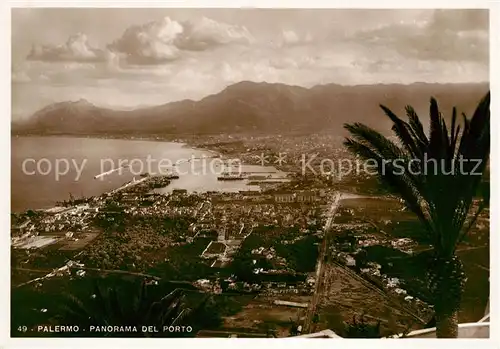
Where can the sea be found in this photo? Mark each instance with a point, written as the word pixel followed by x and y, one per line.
pixel 45 170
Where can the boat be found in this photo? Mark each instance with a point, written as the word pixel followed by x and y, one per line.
pixel 230 177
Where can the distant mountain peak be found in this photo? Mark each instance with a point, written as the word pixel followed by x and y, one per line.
pixel 258 84
pixel 83 102
pixel 257 107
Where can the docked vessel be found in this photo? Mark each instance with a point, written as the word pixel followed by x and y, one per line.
pixel 230 177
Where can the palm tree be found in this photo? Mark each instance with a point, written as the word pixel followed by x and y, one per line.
pixel 136 307
pixel 359 328
pixel 437 177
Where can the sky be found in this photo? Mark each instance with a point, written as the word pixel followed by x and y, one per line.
pixel 125 58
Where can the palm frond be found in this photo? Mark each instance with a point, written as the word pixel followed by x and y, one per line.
pixel 442 199
pixel 401 184
pixel 416 126
pixel 404 133
pixel 123 306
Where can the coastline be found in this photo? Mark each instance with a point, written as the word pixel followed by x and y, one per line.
pixel 183 142
pixel 180 140
pixel 98 136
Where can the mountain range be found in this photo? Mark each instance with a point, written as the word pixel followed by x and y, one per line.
pixel 251 107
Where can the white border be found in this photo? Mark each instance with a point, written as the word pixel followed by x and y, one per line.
pixel 5 80
pixel 386 4
pixel 495 151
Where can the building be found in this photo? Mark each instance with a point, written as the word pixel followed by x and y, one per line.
pixel 306 196
pixel 223 235
pixel 128 198
pixel 284 197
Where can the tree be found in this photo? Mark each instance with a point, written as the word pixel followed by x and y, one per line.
pixel 136 306
pixel 437 177
pixel 243 266
pixel 362 329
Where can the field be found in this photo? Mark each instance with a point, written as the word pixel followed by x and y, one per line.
pixel 83 240
pixel 346 297
pixel 393 222
pixel 261 314
pixel 38 242
pixel 215 248
pixel 375 209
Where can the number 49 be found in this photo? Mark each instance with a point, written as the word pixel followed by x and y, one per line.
pixel 22 328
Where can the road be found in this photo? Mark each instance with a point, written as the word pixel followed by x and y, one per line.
pixel 107 271
pixel 320 266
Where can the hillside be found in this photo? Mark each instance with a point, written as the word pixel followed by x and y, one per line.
pixel 249 107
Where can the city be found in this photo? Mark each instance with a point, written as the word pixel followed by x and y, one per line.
pixel 283 256
pixel 250 173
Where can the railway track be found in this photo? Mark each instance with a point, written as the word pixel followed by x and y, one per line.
pixel 320 267
pixel 320 276
pixel 396 304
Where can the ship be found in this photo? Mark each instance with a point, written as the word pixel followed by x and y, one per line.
pixel 230 177
pixel 259 177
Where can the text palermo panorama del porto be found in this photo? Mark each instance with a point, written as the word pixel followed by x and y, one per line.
pixel 106 329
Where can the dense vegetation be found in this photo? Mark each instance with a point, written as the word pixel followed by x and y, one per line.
pixel 299 253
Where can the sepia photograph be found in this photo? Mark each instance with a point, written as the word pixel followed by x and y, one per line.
pixel 249 173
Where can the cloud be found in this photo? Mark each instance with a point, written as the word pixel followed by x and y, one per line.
pixel 291 38
pixel 76 49
pixel 448 35
pixel 207 33
pixel 460 20
pixel 204 56
pixel 164 40
pixel 20 77
pixel 151 43
pixel 30 72
pixel 155 42
pixel 293 62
